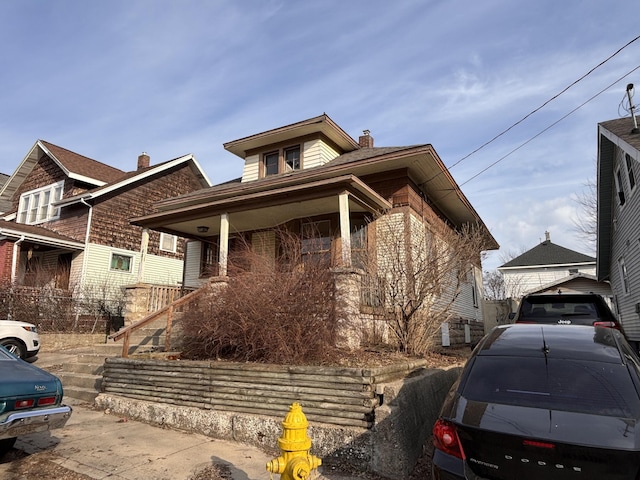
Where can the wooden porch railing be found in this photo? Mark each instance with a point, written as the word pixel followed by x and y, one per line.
pixel 169 309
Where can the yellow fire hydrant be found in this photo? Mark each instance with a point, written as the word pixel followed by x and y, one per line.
pixel 296 462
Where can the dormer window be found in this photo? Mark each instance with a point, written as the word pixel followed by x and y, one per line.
pixel 281 161
pixel 36 206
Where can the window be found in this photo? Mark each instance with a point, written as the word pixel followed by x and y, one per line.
pixel 555 383
pixel 632 178
pixel 474 289
pixel 619 187
pixel 121 263
pixel 281 161
pixel 168 242
pixel 622 270
pixel 271 163
pixel 36 205
pixel 209 260
pixel 316 240
pixel 292 159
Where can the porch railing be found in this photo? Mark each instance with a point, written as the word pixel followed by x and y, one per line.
pixel 125 333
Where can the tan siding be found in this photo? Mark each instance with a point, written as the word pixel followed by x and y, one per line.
pixel 317 153
pixel 251 169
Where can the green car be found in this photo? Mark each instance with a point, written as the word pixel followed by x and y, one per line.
pixel 30 400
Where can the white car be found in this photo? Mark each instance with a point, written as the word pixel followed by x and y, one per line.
pixel 20 338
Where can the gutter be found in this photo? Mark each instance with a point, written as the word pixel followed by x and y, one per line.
pixel 14 259
pixel 86 241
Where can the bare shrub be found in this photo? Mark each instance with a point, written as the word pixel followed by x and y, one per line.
pixel 280 311
pixel 420 270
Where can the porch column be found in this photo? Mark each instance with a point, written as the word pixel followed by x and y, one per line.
pixel 345 229
pixel 144 247
pixel 224 244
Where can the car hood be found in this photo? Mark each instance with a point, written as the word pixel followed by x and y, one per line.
pixel 15 323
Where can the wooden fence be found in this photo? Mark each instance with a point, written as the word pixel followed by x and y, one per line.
pixel 338 396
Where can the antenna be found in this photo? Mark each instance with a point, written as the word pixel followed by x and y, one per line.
pixel 632 108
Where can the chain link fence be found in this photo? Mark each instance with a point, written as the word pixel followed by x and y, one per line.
pixel 55 310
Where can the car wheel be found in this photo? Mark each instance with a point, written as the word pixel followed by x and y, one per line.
pixel 14 346
pixel 6 444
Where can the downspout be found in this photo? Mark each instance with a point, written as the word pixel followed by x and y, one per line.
pixel 86 242
pixel 14 259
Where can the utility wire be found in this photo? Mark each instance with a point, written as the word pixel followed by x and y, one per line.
pixel 550 126
pixel 544 104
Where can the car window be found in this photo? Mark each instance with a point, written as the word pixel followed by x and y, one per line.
pixel 557 309
pixel 557 384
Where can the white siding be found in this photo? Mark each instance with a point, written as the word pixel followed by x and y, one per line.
pixel 158 270
pixel 192 265
pixel 317 153
pixel 519 281
pixel 251 169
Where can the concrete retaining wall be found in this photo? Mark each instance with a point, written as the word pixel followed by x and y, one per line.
pixel 390 447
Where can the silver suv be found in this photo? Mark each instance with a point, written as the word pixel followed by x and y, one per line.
pixel 20 338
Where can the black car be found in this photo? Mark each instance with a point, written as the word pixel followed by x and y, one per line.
pixel 543 402
pixel 566 309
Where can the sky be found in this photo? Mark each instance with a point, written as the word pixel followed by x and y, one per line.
pixel 110 80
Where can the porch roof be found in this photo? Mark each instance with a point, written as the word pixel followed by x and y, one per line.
pixel 38 235
pixel 255 209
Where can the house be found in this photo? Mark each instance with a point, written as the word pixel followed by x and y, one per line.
pixel 551 267
pixel 618 244
pixel 64 221
pixel 314 180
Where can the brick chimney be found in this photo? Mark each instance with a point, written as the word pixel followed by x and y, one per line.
pixel 143 160
pixel 366 140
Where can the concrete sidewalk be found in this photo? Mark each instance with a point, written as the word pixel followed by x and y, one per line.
pixel 101 445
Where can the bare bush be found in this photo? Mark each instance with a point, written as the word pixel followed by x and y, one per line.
pixel 275 312
pixel 420 270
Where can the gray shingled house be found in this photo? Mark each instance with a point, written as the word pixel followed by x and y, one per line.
pixel 618 250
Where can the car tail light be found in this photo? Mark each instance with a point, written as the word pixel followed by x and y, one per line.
pixel 445 438
pixel 607 324
pixel 534 443
pixel 45 401
pixel 25 403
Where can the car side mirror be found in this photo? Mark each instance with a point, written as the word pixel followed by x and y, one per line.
pixel 512 315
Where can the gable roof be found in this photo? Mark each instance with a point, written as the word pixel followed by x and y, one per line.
pixel 73 165
pixel 129 178
pixel 79 167
pixel 548 253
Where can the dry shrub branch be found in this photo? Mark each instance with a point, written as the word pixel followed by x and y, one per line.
pixel 421 270
pixel 280 311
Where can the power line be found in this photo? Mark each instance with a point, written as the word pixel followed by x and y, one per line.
pixel 545 103
pixel 550 126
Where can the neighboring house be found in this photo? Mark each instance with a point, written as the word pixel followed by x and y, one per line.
pixel 64 221
pixel 312 178
pixel 550 267
pixel 618 250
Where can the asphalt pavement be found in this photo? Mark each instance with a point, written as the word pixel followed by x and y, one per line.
pixel 102 445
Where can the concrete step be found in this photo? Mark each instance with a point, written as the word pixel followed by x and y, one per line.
pixel 79 393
